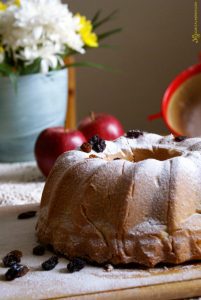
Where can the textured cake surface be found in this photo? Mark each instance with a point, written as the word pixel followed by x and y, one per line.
pixel 143 207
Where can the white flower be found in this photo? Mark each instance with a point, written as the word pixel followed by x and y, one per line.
pixel 40 29
pixel 47 54
pixel 50 61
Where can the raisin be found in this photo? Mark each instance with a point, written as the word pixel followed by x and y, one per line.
pixel 86 147
pixel 12 258
pixel 180 138
pixel 50 264
pixel 93 156
pixel 22 270
pixel 98 144
pixel 100 147
pixel 108 268
pixel 11 274
pixel 27 215
pixel 94 140
pixel 39 250
pixel 16 271
pixel 75 265
pixel 134 134
pixel 117 158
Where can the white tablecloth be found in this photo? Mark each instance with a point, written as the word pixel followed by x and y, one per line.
pixel 20 183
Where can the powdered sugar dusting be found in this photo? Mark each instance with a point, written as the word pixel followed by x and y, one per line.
pixel 38 284
pixel 20 183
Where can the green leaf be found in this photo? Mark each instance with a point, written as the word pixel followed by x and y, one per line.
pixel 96 16
pixel 5 69
pixel 106 19
pixel 13 78
pixel 92 65
pixel 32 68
pixel 108 33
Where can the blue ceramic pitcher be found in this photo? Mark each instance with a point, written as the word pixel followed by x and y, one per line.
pixel 39 102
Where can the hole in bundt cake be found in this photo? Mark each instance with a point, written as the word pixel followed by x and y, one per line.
pixel 156 153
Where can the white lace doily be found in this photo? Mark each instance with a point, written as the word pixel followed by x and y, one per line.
pixel 20 183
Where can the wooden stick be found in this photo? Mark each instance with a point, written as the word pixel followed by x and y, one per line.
pixel 70 122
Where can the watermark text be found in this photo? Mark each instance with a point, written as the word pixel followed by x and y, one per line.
pixel 196 34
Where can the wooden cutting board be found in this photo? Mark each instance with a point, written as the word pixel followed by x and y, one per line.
pixel 91 282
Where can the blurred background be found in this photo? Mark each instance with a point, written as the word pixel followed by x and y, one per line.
pixel 153 48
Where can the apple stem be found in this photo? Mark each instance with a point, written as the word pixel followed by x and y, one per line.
pixel 92 115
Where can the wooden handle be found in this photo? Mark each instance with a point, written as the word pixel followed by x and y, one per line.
pixel 70 122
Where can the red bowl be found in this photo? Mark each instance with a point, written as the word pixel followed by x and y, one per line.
pixel 181 104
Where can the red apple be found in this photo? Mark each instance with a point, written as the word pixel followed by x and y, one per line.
pixel 104 125
pixel 52 142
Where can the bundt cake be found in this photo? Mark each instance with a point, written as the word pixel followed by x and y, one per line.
pixel 137 199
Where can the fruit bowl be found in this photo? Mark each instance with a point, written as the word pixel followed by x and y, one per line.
pixel 181 104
